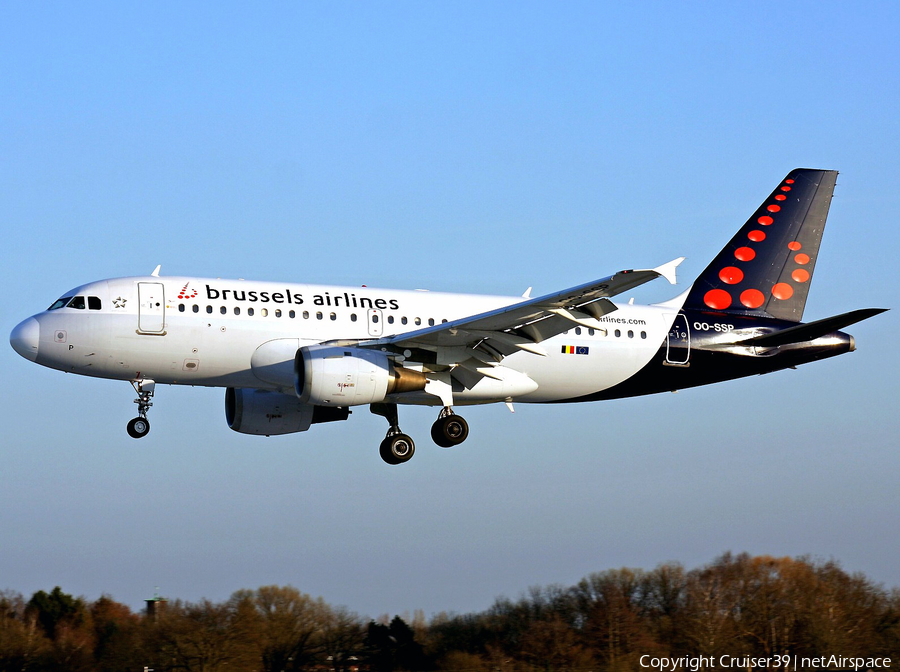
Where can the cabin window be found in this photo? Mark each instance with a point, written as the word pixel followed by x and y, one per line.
pixel 319 315
pixel 333 317
pixel 278 312
pixel 590 332
pixel 180 307
pixel 375 319
pixel 292 314
pixel 305 314
pixel 578 331
pixel 630 334
pixel 390 319
pixel 209 309
pixel 59 303
pixel 195 308
pixel 353 317
pixel 77 302
pixel 237 310
pixel 430 321
pixel 403 320
pixel 418 320
pixel 250 312
pixel 94 303
pixel 223 309
pixel 263 311
pixel 618 333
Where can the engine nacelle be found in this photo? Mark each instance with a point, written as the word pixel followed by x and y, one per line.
pixel 328 375
pixel 251 411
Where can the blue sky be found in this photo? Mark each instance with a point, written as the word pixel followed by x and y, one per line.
pixel 482 147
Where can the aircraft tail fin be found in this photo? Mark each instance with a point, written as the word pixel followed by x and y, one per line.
pixel 768 265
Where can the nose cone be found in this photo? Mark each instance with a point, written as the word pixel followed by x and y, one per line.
pixel 24 338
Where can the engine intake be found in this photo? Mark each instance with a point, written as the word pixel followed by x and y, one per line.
pixel 334 376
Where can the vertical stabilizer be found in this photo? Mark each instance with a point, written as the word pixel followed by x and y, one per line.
pixel 768 265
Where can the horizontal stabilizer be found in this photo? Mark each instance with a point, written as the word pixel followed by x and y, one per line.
pixel 813 330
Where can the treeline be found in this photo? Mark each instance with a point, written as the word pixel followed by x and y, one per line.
pixel 737 605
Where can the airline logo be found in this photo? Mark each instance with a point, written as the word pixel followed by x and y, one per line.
pixel 575 350
pixel 186 293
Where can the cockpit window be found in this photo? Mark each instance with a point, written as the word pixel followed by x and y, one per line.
pixel 94 302
pixel 77 302
pixel 59 303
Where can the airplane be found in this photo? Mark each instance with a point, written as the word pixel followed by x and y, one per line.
pixel 293 355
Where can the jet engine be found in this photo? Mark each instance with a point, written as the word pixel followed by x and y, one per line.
pixel 251 411
pixel 334 376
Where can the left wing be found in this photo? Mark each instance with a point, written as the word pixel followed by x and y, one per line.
pixel 479 342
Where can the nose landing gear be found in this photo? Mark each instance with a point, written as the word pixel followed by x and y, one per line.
pixel 139 427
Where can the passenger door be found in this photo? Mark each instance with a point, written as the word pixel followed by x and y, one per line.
pixel 678 342
pixel 151 308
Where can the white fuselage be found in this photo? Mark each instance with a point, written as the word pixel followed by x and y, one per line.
pixel 237 333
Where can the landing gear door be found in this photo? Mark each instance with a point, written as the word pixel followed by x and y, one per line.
pixel 375 317
pixel 678 342
pixel 151 308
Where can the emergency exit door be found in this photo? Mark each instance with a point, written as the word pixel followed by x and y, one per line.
pixel 376 326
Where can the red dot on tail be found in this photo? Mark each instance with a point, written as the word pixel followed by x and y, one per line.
pixel 731 275
pixel 773 208
pixel 802 258
pixel 745 253
pixel 765 220
pixel 782 291
pixel 717 299
pixel 780 197
pixel 785 188
pixel 800 275
pixel 794 245
pixel 788 181
pixel 756 236
pixel 752 298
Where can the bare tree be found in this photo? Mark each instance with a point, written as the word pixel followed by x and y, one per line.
pixel 343 639
pixel 290 625
pixel 22 640
pixel 201 637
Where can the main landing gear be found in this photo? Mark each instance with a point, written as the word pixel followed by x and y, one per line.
pixel 396 448
pixel 449 429
pixel 139 427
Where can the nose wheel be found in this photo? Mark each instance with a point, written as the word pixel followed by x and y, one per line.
pixel 449 429
pixel 139 427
